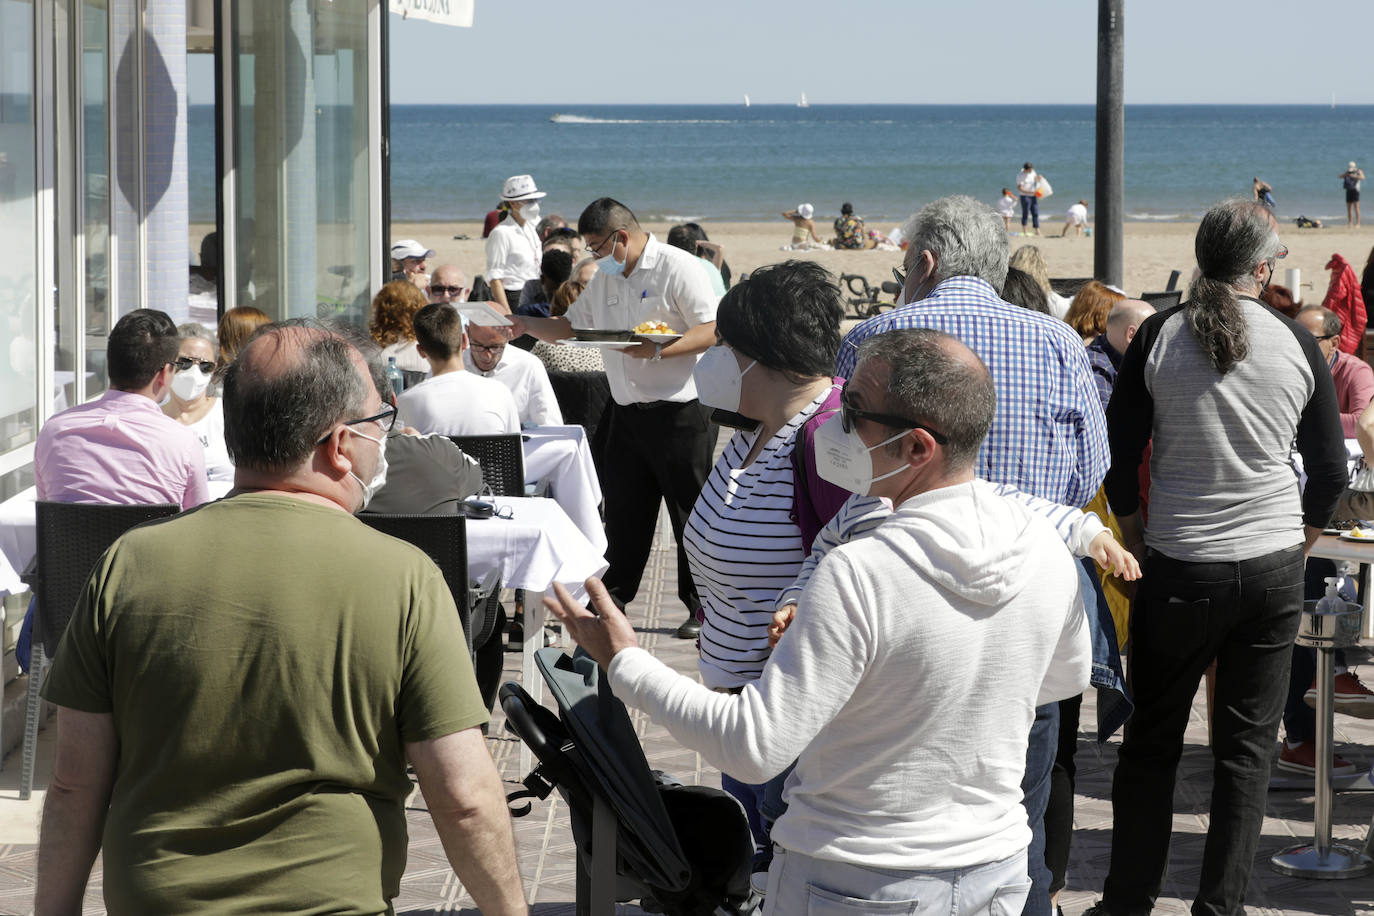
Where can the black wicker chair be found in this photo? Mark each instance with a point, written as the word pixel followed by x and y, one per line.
pixel 1163 300
pixel 71 539
pixel 502 459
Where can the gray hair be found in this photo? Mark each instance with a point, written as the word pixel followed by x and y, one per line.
pixel 1232 239
pixel 290 385
pixel 192 330
pixel 967 238
pixel 937 380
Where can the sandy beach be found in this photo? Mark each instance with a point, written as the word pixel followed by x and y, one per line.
pixel 1152 250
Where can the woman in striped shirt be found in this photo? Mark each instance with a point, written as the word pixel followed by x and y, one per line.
pixel 778 333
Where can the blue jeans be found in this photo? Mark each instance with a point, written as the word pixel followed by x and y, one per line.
pixel 1030 204
pixel 1244 614
pixel 1114 704
pixel 803 884
pixel 763 805
pixel 1035 790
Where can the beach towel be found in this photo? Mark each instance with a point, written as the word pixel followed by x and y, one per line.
pixel 1344 298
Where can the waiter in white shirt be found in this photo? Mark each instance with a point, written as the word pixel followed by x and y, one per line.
pixel 513 248
pixel 660 440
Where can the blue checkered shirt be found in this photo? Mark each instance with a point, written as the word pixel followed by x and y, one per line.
pixel 1049 436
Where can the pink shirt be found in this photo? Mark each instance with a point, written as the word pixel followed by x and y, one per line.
pixel 119 449
pixel 1354 388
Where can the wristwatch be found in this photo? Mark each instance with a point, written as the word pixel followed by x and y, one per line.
pixel 658 353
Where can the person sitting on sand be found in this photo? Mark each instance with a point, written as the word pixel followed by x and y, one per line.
pixel 1006 207
pixel 804 237
pixel 849 229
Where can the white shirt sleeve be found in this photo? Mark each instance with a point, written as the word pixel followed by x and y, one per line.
pixel 756 733
pixel 1076 527
pixel 857 517
pixel 510 414
pixel 690 294
pixel 498 254
pixel 542 409
pixel 1071 666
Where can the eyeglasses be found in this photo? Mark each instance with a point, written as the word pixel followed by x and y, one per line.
pixel 493 349
pixel 447 290
pixel 596 252
pixel 182 363
pixel 1328 337
pixel 1281 253
pixel 386 420
pixel 899 275
pixel 849 413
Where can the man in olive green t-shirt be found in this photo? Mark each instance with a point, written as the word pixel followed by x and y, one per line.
pixel 242 685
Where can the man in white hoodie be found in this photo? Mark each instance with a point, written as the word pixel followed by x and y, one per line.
pixel 907 784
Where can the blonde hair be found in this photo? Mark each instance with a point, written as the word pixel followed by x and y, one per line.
pixel 1029 259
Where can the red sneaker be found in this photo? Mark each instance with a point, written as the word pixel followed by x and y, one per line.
pixel 1352 697
pixel 1302 759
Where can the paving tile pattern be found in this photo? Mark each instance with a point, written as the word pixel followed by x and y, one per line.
pixel 546 853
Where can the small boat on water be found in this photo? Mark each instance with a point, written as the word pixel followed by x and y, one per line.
pixel 803 103
pixel 746 100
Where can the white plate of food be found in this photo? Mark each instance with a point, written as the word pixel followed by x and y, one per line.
pixel 662 339
pixel 1364 535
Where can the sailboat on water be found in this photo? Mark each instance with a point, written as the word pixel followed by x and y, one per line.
pixel 803 103
pixel 746 100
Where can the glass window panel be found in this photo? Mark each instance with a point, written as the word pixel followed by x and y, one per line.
pixel 18 227
pixel 95 91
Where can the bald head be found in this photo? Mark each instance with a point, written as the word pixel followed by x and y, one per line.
pixel 448 283
pixel 1124 320
pixel 289 386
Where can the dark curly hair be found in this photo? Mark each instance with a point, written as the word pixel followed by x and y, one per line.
pixel 786 316
pixel 393 310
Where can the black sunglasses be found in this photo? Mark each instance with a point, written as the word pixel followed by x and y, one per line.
pixel 386 420
pixel 182 363
pixel 446 290
pixel 849 413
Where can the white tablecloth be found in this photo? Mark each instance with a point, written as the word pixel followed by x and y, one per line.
pixel 560 455
pixel 533 549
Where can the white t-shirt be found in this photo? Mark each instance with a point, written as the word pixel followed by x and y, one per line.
pixel 513 254
pixel 459 404
pixel 907 758
pixel 1007 205
pixel 1077 215
pixel 209 429
pixel 528 382
pixel 1026 180
pixel 666 285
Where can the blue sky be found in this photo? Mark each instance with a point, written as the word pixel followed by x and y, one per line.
pixel 883 51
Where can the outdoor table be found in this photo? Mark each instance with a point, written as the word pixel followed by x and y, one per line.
pixel 561 456
pixel 536 547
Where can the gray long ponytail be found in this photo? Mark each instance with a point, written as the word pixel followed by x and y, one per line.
pixel 1233 237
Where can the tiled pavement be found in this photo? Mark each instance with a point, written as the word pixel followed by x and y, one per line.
pixel 546 851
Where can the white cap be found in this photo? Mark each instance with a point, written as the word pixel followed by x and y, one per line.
pixel 1351 166
pixel 409 248
pixel 805 211
pixel 520 187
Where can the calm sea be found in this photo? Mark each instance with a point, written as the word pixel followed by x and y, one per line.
pixel 729 162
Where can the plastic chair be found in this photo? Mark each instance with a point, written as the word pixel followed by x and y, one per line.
pixel 443 538
pixel 680 850
pixel 1067 286
pixel 1164 300
pixel 72 537
pixel 502 459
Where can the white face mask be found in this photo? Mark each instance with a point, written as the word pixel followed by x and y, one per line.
pixel 530 212
pixel 189 384
pixel 844 460
pixel 609 265
pixel 378 477
pixel 718 378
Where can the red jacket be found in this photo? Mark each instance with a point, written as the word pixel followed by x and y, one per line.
pixel 1344 298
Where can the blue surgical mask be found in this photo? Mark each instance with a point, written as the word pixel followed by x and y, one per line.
pixel 609 265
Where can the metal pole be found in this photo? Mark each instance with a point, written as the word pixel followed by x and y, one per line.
pixel 1321 814
pixel 1111 132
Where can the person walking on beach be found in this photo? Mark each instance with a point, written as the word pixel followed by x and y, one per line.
pixel 1026 181
pixel 1264 192
pixel 1006 207
pixel 513 248
pixel 1350 180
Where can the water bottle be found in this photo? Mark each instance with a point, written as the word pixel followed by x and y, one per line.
pixel 395 376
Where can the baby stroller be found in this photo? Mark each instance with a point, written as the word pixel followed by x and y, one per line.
pixel 640 835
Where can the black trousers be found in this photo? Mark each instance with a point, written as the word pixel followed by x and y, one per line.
pixel 657 451
pixel 1245 615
